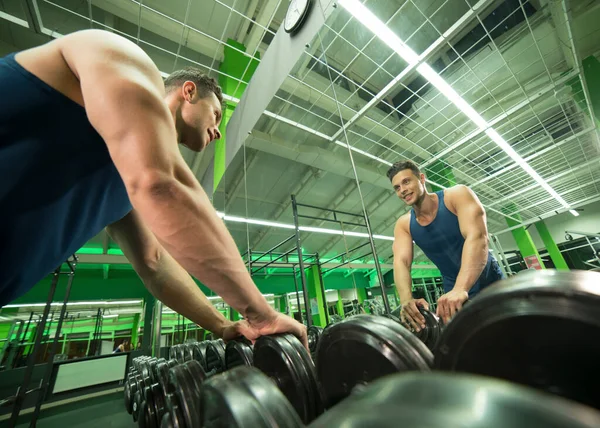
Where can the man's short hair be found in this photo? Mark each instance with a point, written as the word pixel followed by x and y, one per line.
pixel 401 166
pixel 204 83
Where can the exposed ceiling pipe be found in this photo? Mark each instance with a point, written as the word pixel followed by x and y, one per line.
pixel 310 175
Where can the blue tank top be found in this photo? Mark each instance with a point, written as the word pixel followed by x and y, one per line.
pixel 442 243
pixel 58 184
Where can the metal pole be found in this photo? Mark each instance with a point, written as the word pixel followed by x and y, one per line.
pixel 157 325
pixel 301 263
pixel 323 291
pixel 275 247
pixel 250 262
pixel 386 303
pixel 50 363
pixel 12 348
pixel 297 295
pixel 22 390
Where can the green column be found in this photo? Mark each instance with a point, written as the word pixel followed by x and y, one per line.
pixel 553 251
pixel 440 172
pixel 361 294
pixel 314 287
pixel 234 315
pixel 238 66
pixel 340 305
pixel 521 235
pixel 150 302
pixel 282 303
pixel 134 331
pixel 591 72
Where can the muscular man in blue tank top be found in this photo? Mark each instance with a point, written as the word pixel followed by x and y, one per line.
pixel 89 137
pixel 450 227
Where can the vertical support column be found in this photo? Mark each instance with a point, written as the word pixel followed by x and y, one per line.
pixel 134 331
pixel 361 295
pixel 156 328
pixel 234 315
pixel 386 303
pixel 282 303
pixel 301 263
pixel 238 66
pixel 553 251
pixel 297 294
pixel 523 239
pixel 149 301
pixel 316 292
pixel 340 305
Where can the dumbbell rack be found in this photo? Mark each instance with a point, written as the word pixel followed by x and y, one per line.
pixel 372 370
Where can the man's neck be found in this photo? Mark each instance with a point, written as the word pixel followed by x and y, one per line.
pixel 427 207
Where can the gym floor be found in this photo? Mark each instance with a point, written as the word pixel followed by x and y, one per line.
pixel 99 412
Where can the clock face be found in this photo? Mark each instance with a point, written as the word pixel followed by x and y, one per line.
pixel 295 14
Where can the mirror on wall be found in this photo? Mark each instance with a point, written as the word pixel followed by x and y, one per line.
pixel 89 328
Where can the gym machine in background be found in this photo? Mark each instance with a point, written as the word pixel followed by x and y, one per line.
pixel 594 262
pixel 337 215
pixel 42 389
pixel 500 256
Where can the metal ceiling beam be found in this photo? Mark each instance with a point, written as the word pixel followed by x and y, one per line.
pixel 243 30
pixel 310 175
pixel 552 146
pixel 272 71
pixel 266 12
pixel 34 18
pixel 592 162
pixel 539 93
pixel 238 180
pixel 575 205
pixel 424 57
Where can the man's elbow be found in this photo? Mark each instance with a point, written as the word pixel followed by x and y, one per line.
pixel 152 184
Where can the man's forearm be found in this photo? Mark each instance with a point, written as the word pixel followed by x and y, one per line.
pixel 474 259
pixel 403 282
pixel 173 286
pixel 185 222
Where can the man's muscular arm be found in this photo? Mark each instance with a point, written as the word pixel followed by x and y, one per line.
pixel 123 96
pixel 403 257
pixel 163 276
pixel 472 223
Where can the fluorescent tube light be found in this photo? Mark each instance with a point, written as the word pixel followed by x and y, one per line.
pixel 362 14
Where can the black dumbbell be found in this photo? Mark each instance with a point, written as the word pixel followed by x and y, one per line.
pixel 429 335
pixel 362 348
pixel 281 357
pixel 238 352
pixel 241 397
pixel 441 400
pixel 314 334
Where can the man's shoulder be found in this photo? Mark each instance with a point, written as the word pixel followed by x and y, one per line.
pixel 403 222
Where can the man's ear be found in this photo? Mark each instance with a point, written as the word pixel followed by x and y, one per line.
pixel 422 179
pixel 189 91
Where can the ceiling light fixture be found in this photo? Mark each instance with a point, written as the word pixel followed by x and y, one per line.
pixel 363 15
pixel 302 228
pixel 90 303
